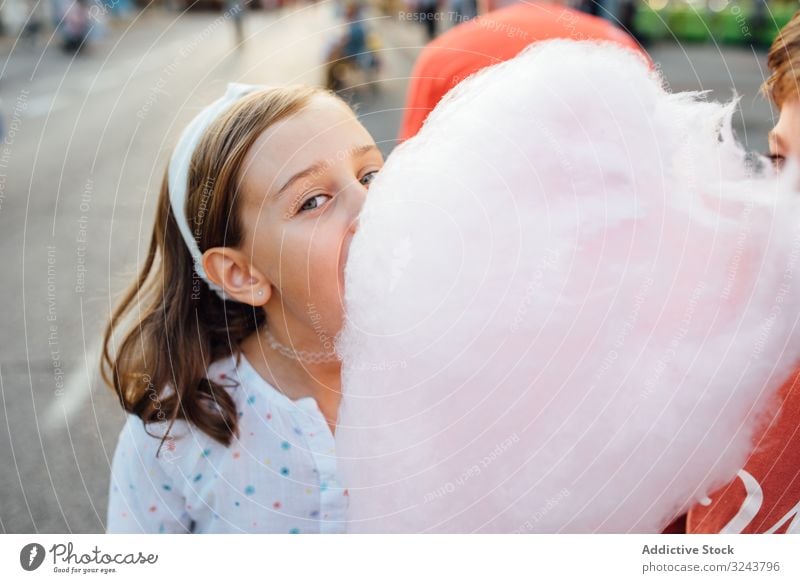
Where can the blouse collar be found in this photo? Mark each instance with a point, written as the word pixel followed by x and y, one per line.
pixel 246 371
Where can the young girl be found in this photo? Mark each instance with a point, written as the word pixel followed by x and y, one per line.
pixel 226 364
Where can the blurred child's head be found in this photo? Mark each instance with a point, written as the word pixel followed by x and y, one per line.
pixel 783 88
pixel 352 10
pixel 274 188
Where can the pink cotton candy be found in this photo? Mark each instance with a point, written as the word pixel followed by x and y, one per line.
pixel 570 301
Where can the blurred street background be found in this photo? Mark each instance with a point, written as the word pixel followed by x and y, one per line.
pixel 92 96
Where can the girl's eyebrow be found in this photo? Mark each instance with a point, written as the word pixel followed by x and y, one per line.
pixel 319 166
pixel 313 169
pixel 364 149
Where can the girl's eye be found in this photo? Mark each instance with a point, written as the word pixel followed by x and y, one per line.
pixel 777 160
pixel 367 178
pixel 313 203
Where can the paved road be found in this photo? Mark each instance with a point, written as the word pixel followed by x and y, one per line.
pixel 86 148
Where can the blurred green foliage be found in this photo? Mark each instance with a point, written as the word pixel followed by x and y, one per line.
pixel 733 22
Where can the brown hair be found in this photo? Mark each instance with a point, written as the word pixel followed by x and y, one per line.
pixel 174 324
pixel 784 62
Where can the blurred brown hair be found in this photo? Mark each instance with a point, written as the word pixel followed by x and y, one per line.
pixel 783 61
pixel 172 324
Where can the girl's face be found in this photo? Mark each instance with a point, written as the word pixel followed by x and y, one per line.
pixel 303 184
pixel 784 139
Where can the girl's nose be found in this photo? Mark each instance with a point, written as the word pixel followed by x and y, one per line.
pixel 356 195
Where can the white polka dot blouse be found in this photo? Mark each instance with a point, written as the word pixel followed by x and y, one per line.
pixel 279 476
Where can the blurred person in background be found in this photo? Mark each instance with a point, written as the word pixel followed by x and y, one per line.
pixel 34 22
pixel 75 25
pixel 504 28
pixel 352 51
pixel 428 11
pixel 234 10
pixel 23 19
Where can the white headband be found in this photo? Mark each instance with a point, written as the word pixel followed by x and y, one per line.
pixel 179 169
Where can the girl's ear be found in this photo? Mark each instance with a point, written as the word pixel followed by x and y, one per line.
pixel 230 269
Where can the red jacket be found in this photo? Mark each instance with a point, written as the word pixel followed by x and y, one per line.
pixel 487 40
pixel 765 496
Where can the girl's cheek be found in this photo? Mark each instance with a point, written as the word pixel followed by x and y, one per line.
pixel 324 253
